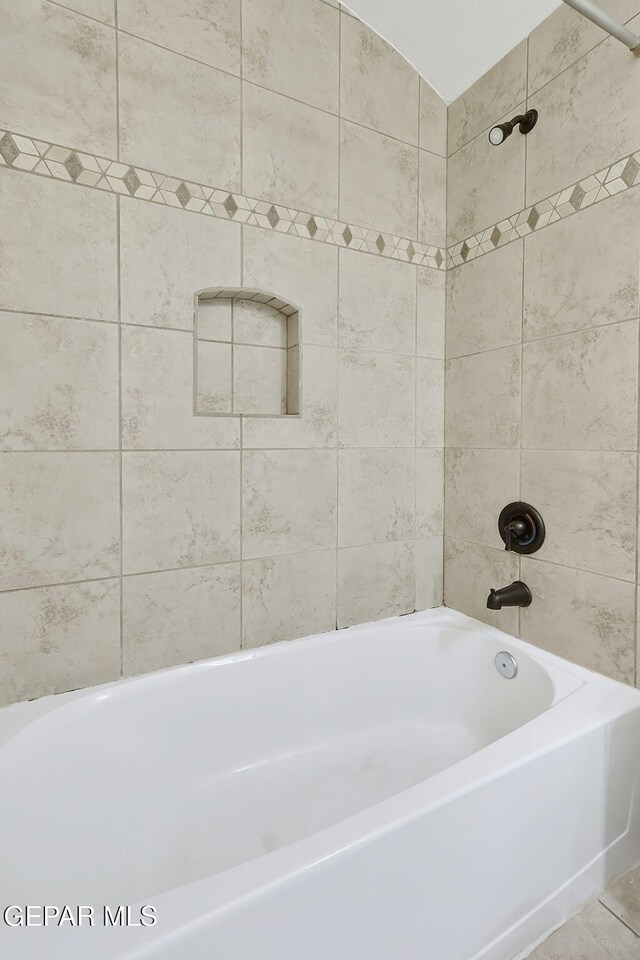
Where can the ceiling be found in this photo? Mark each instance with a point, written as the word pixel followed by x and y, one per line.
pixel 452 42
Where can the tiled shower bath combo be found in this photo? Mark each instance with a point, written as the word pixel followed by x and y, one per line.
pixel 281 334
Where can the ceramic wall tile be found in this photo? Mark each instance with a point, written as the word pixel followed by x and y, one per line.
pixel 58 76
pixel 378 88
pixel 598 634
pixel 58 384
pixel 178 115
pixel 375 581
pixel 304 273
pixel 259 380
pixel 288 501
pixel 433 120
pixel 179 616
pixel 167 257
pixel 432 202
pixel 589 380
pixel 586 498
pixel 214 383
pixel 367 160
pixel 157 395
pixel 180 509
pixel 46 631
pixel 429 492
pixel 377 407
pixel 292 47
pixel 60 518
pixel 495 94
pixel 431 313
pixel 317 424
pixel 429 402
pixel 470 571
pixel 482 404
pixel 376 496
pixel 484 302
pixel 484 184
pixel 565 36
pixel 98 9
pixel 579 274
pixel 429 572
pixel 205 32
pixel 290 152
pixel 60 254
pixel 568 144
pixel 288 597
pixel 479 484
pixel 377 305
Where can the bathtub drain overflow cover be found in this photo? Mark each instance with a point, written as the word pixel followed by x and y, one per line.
pixel 506 665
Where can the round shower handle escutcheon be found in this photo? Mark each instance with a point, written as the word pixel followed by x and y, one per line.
pixel 521 527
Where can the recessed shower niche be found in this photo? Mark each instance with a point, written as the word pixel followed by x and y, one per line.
pixel 247 354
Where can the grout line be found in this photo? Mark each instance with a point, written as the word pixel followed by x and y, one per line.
pixel 637 516
pixel 120 457
pixel 618 918
pixel 241 425
pixel 521 423
pixel 117 77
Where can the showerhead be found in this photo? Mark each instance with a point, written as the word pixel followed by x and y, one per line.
pixel 526 122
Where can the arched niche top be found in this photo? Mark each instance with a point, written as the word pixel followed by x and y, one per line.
pixel 247 353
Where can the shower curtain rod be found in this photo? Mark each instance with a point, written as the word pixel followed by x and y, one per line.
pixel 602 19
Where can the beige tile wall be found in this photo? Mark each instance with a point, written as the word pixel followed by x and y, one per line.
pixel 542 348
pixel 134 534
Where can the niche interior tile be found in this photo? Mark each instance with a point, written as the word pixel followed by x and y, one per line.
pixel 288 501
pixel 260 380
pixel 596 629
pixel 482 402
pixel 292 47
pixel 258 324
pixel 568 145
pixel 214 392
pixel 60 518
pixel 60 254
pixel 157 395
pixel 377 307
pixel 375 581
pixel 565 36
pixel 180 509
pixel 302 272
pixel 429 402
pixel 623 899
pixel 377 406
pixel 368 159
pixel 484 302
pixel 196 28
pixel 40 41
pixel 432 202
pixel 290 152
pixel 179 616
pixel 470 570
pixel 478 485
pixel 495 94
pixel 484 184
pixel 168 102
pixel 317 426
pixel 429 572
pixel 581 273
pixel 431 312
pixel 167 257
pixel 59 638
pixel 433 120
pixel 378 88
pixel 429 492
pixel 58 384
pixel 214 320
pixel 288 597
pixel 566 375
pixel 376 494
pixel 594 934
pixel 585 498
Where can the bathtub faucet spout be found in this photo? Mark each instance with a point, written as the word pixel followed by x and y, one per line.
pixel 517 594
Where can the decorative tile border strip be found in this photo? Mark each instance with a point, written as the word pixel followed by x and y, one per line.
pixel 74 166
pixel 614 179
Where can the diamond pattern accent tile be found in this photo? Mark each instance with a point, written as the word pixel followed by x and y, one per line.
pixel 630 172
pixel 533 218
pixel 273 217
pixel 74 166
pixel 312 227
pixel 495 236
pixel 132 181
pixel 577 196
pixel 411 251
pixel 231 206
pixel 348 236
pixel 8 149
pixel 183 195
pixel 380 244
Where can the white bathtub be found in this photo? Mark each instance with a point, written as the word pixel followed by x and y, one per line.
pixel 380 793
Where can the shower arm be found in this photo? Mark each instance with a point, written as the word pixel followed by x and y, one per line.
pixel 593 12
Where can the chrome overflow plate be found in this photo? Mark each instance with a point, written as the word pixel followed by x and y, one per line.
pixel 506 665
